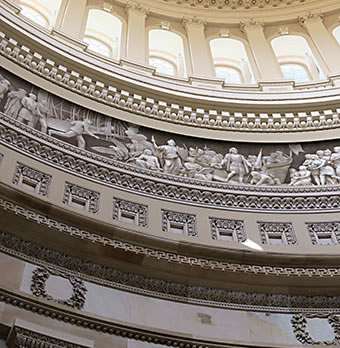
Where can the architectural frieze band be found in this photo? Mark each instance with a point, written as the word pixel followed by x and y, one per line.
pixel 82 269
pixel 165 186
pixel 13 243
pixel 150 107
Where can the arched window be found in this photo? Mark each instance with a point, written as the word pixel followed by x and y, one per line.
pixel 295 72
pixel 166 52
pixel 295 58
pixel 103 33
pixel 230 60
pixel 42 12
pixel 336 33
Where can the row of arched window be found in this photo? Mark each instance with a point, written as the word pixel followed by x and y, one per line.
pixel 103 34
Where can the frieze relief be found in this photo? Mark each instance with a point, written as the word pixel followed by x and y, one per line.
pixel 159 152
pixel 126 177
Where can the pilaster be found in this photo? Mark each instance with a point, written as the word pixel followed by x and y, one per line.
pixel 201 60
pixel 136 40
pixel 325 43
pixel 263 53
pixel 73 17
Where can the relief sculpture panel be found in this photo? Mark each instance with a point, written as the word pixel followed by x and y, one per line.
pixel 155 152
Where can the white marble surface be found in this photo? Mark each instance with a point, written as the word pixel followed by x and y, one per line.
pixel 192 320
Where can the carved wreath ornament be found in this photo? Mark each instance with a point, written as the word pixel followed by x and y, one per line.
pixel 38 287
pixel 299 323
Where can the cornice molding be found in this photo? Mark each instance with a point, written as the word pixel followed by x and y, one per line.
pixel 13 243
pixel 105 275
pixel 150 107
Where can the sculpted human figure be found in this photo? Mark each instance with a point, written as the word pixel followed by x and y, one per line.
pixel 314 163
pixel 236 165
pixel 13 103
pixel 259 178
pixel 4 86
pixel 172 160
pixel 327 172
pixel 77 129
pixel 27 112
pixel 41 112
pixel 148 160
pixel 335 160
pixel 196 171
pixel 301 177
pixel 139 142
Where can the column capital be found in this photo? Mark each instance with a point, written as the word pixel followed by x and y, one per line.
pixel 137 8
pixel 194 21
pixel 252 23
pixel 309 17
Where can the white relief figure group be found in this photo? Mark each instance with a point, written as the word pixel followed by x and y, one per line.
pixel 321 168
pixel 129 145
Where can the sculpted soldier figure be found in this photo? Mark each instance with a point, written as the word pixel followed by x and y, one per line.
pixel 77 129
pixel 4 86
pixel 27 112
pixel 13 103
pixel 41 112
pixel 236 165
pixel 172 160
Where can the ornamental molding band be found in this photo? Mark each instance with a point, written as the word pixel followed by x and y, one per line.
pixel 324 232
pixel 81 197
pixel 31 215
pixel 227 229
pixel 38 287
pixel 277 233
pixel 150 107
pixel 130 212
pixel 24 338
pixel 237 4
pixel 176 222
pixel 31 179
pixel 109 276
pixel 300 327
